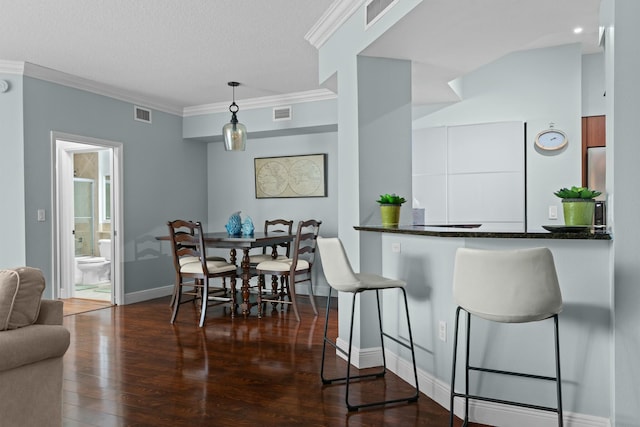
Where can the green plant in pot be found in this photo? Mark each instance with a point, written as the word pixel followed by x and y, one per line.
pixel 390 209
pixel 578 204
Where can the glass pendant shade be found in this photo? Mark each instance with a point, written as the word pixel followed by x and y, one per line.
pixel 235 135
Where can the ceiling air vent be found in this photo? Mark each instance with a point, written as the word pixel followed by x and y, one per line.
pixel 142 114
pixel 376 8
pixel 281 113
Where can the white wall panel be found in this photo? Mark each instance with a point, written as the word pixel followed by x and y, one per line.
pixel 429 154
pixel 430 193
pixel 484 198
pixel 487 147
pixel 471 174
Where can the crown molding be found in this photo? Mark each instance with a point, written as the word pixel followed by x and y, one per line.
pixel 262 102
pixel 69 80
pixel 331 20
pixel 11 67
pixel 50 75
pixel 54 76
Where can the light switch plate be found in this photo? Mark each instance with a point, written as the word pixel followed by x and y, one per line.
pixel 41 215
pixel 442 330
pixel 553 212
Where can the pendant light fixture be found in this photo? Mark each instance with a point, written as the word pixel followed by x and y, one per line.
pixel 234 133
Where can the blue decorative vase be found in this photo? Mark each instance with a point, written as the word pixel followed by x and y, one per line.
pixel 234 226
pixel 247 227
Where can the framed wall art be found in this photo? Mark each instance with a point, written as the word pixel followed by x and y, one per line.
pixel 291 176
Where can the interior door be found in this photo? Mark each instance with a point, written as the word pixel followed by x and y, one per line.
pixel 65 146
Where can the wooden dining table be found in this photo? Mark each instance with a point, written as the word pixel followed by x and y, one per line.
pixel 246 243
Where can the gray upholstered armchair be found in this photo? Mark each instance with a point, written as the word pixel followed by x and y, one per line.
pixel 32 344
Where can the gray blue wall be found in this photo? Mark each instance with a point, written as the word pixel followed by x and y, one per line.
pixel 12 214
pixel 231 186
pixel 164 176
pixel 623 127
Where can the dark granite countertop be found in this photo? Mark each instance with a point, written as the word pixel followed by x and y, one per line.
pixel 470 232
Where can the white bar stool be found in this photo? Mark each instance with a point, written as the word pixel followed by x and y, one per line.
pixel 341 277
pixel 507 286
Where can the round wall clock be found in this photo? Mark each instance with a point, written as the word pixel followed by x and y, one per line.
pixel 551 139
pixel 4 86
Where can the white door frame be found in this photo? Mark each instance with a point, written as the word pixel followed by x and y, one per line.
pixel 63 146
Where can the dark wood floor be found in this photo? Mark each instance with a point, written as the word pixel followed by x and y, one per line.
pixel 127 366
pixel 80 305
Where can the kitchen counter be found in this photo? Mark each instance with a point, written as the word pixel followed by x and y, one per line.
pixel 424 257
pixel 471 231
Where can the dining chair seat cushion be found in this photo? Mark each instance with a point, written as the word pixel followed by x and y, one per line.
pixel 212 266
pixel 257 259
pixel 187 259
pixel 282 265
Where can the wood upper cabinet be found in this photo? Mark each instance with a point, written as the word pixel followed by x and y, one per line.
pixel 593 135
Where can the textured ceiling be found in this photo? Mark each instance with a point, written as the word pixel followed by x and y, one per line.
pixel 183 53
pixel 454 37
pixel 180 52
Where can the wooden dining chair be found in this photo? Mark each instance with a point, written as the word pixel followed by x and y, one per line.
pixel 183 260
pixel 194 271
pixel 274 252
pixel 296 269
pixel 281 251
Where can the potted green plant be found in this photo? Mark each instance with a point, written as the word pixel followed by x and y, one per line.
pixel 390 209
pixel 578 204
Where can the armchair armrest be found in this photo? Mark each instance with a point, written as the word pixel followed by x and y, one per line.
pixel 50 312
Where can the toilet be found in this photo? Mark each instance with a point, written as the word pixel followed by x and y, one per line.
pixel 92 270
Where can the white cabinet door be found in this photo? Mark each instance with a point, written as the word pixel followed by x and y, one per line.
pixel 471 174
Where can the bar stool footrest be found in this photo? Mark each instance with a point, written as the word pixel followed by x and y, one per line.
pixel 353 408
pixel 515 374
pixel 506 402
pixel 354 377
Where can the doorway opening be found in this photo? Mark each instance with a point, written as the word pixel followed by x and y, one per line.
pixel 86 218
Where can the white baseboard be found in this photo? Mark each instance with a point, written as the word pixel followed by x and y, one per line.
pixel 361 359
pixel 134 297
pixel 480 412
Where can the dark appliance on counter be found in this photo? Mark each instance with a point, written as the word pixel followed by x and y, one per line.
pixel 600 214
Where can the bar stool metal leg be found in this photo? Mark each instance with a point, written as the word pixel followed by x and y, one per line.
pixel 558 381
pixel 467 396
pixel 453 366
pixel 378 374
pixel 466 371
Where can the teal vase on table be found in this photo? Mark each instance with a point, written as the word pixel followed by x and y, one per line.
pixel 234 226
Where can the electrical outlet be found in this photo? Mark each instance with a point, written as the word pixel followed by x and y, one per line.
pixel 395 247
pixel 442 331
pixel 553 212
